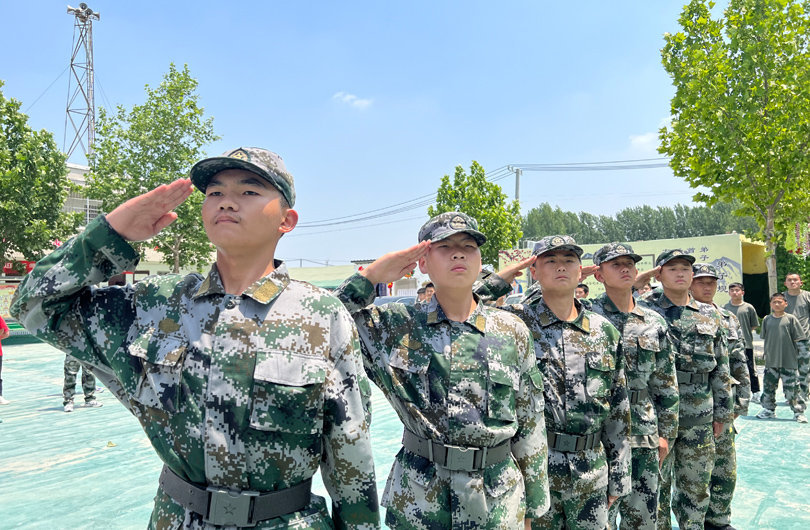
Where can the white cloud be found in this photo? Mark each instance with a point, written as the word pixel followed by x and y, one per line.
pixel 354 101
pixel 644 142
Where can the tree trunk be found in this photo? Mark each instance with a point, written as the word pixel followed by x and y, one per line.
pixel 770 251
pixel 176 252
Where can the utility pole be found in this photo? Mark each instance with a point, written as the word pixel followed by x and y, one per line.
pixel 518 172
pixel 81 105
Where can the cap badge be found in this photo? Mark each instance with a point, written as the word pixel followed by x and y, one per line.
pixel 240 154
pixel 676 252
pixel 457 223
pixel 557 241
pixel 621 249
pixel 704 268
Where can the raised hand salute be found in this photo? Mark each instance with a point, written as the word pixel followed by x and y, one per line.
pixel 144 216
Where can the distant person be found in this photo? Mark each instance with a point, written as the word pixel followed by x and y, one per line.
pixel 646 288
pixel 4 334
pixel 798 305
pixel 71 371
pixel 420 295
pixel 429 290
pixel 582 291
pixel 462 378
pixel 785 342
pixel 749 321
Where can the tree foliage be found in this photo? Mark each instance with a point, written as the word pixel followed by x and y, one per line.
pixel 33 187
pixel 152 144
pixel 486 202
pixel 741 111
pixel 641 223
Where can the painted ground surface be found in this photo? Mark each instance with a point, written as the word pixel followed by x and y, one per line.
pixel 94 468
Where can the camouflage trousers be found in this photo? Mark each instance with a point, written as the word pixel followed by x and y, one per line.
pixel 639 509
pixel 689 466
pixel 724 479
pixel 790 387
pixel 570 512
pixel 69 388
pixel 804 373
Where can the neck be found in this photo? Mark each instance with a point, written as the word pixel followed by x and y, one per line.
pixel 679 298
pixel 561 304
pixel 794 292
pixel 736 302
pixel 239 270
pixel 621 298
pixel 457 304
pixel 778 314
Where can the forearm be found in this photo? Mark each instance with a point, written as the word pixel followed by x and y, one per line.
pixel 492 288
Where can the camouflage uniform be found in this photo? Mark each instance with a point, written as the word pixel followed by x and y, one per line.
pixel 653 388
pixel 585 394
pixel 213 377
pixel 698 336
pixel 724 474
pixel 799 306
pixel 72 367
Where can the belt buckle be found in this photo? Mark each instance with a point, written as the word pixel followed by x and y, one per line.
pixel 566 443
pixel 460 458
pixel 226 507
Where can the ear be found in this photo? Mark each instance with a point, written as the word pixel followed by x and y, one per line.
pixel 422 265
pixel 533 270
pixel 289 222
pixel 658 275
pixel 598 275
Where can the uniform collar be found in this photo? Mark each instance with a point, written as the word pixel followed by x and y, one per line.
pixel 610 307
pixel 477 318
pixel 666 303
pixel 547 316
pixel 264 290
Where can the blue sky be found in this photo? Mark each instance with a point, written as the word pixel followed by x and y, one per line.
pixel 370 103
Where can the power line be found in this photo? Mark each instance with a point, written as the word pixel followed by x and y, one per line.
pixel 49 87
pixel 356 227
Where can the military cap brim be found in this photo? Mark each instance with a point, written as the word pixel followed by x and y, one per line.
pixel 203 171
pixel 685 257
pixel 575 248
pixel 478 236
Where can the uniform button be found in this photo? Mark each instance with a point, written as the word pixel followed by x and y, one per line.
pixel 230 305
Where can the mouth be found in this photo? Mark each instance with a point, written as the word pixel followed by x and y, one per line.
pixel 459 268
pixel 225 219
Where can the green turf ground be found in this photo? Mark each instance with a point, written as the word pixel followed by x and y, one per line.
pixel 94 468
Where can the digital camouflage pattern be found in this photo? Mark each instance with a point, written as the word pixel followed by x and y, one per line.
pixel 668 255
pixel 471 384
pixel 575 512
pixel 790 387
pixel 639 509
pixel 212 377
pixel 738 364
pixel 613 251
pixel 698 335
pixel 724 478
pixel 262 162
pixel 549 243
pixel 585 393
pixel 72 367
pixel 803 360
pixel 650 365
pixel 447 224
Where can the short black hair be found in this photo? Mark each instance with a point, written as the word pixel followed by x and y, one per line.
pixel 584 288
pixel 421 290
pixel 778 295
pixel 793 274
pixel 430 284
pixel 736 284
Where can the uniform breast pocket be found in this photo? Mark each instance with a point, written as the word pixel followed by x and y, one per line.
pixel 161 359
pixel 409 375
pixel 648 348
pixel 503 382
pixel 702 359
pixel 599 374
pixel 288 392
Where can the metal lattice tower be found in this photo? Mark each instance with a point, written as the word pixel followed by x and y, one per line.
pixel 81 105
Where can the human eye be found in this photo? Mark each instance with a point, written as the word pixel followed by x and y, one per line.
pixel 213 194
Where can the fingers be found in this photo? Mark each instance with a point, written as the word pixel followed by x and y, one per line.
pixel 527 262
pixel 165 221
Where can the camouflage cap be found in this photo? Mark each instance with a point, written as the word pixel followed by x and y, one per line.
pixel 549 243
pixel 262 162
pixel 675 253
pixel 613 251
pixel 704 269
pixel 446 224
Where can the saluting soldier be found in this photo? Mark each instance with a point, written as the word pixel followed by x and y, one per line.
pixel 461 377
pixel 587 408
pixel 724 474
pixel 701 360
pixel 244 380
pixel 651 382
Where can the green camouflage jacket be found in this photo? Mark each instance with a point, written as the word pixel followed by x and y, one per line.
pixel 471 383
pixel 650 364
pixel 585 393
pixel 213 378
pixel 699 339
pixel 740 380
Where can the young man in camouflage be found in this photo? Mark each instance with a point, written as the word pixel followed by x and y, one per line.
pixel 798 305
pixel 71 370
pixel 462 379
pixel 587 407
pixel 698 337
pixel 724 474
pixel 245 381
pixel 651 382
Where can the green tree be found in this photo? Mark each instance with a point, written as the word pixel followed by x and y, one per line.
pixel 741 110
pixel 156 143
pixel 33 187
pixel 484 201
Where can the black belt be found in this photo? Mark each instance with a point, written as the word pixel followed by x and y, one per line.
pixel 570 443
pixel 638 395
pixel 455 457
pixel 692 378
pixel 219 506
